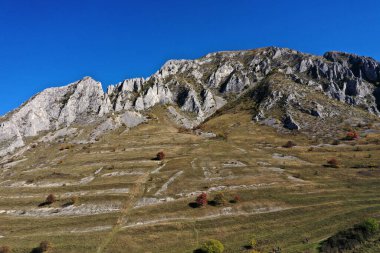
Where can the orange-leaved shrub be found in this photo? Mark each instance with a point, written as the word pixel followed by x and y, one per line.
pixel 351 135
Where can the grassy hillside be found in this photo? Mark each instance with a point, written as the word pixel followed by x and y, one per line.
pixel 128 202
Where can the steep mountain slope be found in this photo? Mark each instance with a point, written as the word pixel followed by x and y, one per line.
pixel 224 123
pixel 113 197
pixel 281 86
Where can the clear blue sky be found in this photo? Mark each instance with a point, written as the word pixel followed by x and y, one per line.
pixel 46 43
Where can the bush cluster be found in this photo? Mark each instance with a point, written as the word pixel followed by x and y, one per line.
pixel 66 146
pixel 218 200
pixel 351 238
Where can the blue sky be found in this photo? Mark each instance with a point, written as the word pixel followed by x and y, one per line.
pixel 46 43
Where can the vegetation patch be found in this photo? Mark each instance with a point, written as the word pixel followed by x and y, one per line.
pixel 351 238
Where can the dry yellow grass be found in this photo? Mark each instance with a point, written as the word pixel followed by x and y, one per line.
pixel 286 194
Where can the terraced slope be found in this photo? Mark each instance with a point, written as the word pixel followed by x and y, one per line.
pixel 128 202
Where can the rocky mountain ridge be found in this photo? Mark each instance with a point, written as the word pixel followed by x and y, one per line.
pixel 280 85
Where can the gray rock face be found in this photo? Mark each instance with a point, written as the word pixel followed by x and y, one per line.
pixel 128 118
pixel 289 123
pixel 362 67
pixel 53 108
pixel 10 138
pixel 196 89
pixel 120 94
pixel 196 85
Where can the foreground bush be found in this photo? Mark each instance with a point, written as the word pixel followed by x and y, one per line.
pixel 370 225
pixel 212 246
pixel 351 238
pixel 5 249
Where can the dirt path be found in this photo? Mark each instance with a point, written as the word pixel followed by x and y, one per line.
pixel 136 193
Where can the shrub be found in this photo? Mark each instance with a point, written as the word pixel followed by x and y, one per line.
pixel 109 167
pixel 222 136
pixel 351 135
pixel 201 199
pixel 160 156
pixel 45 246
pixel 66 146
pixel 335 142
pixel 212 246
pixel 74 200
pixel 370 225
pixel 5 249
pixel 219 199
pixel 236 199
pixel 289 144
pixel 252 243
pixel 333 162
pixel 50 199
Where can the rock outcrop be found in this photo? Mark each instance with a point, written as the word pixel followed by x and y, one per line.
pixel 196 89
pixel 80 102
